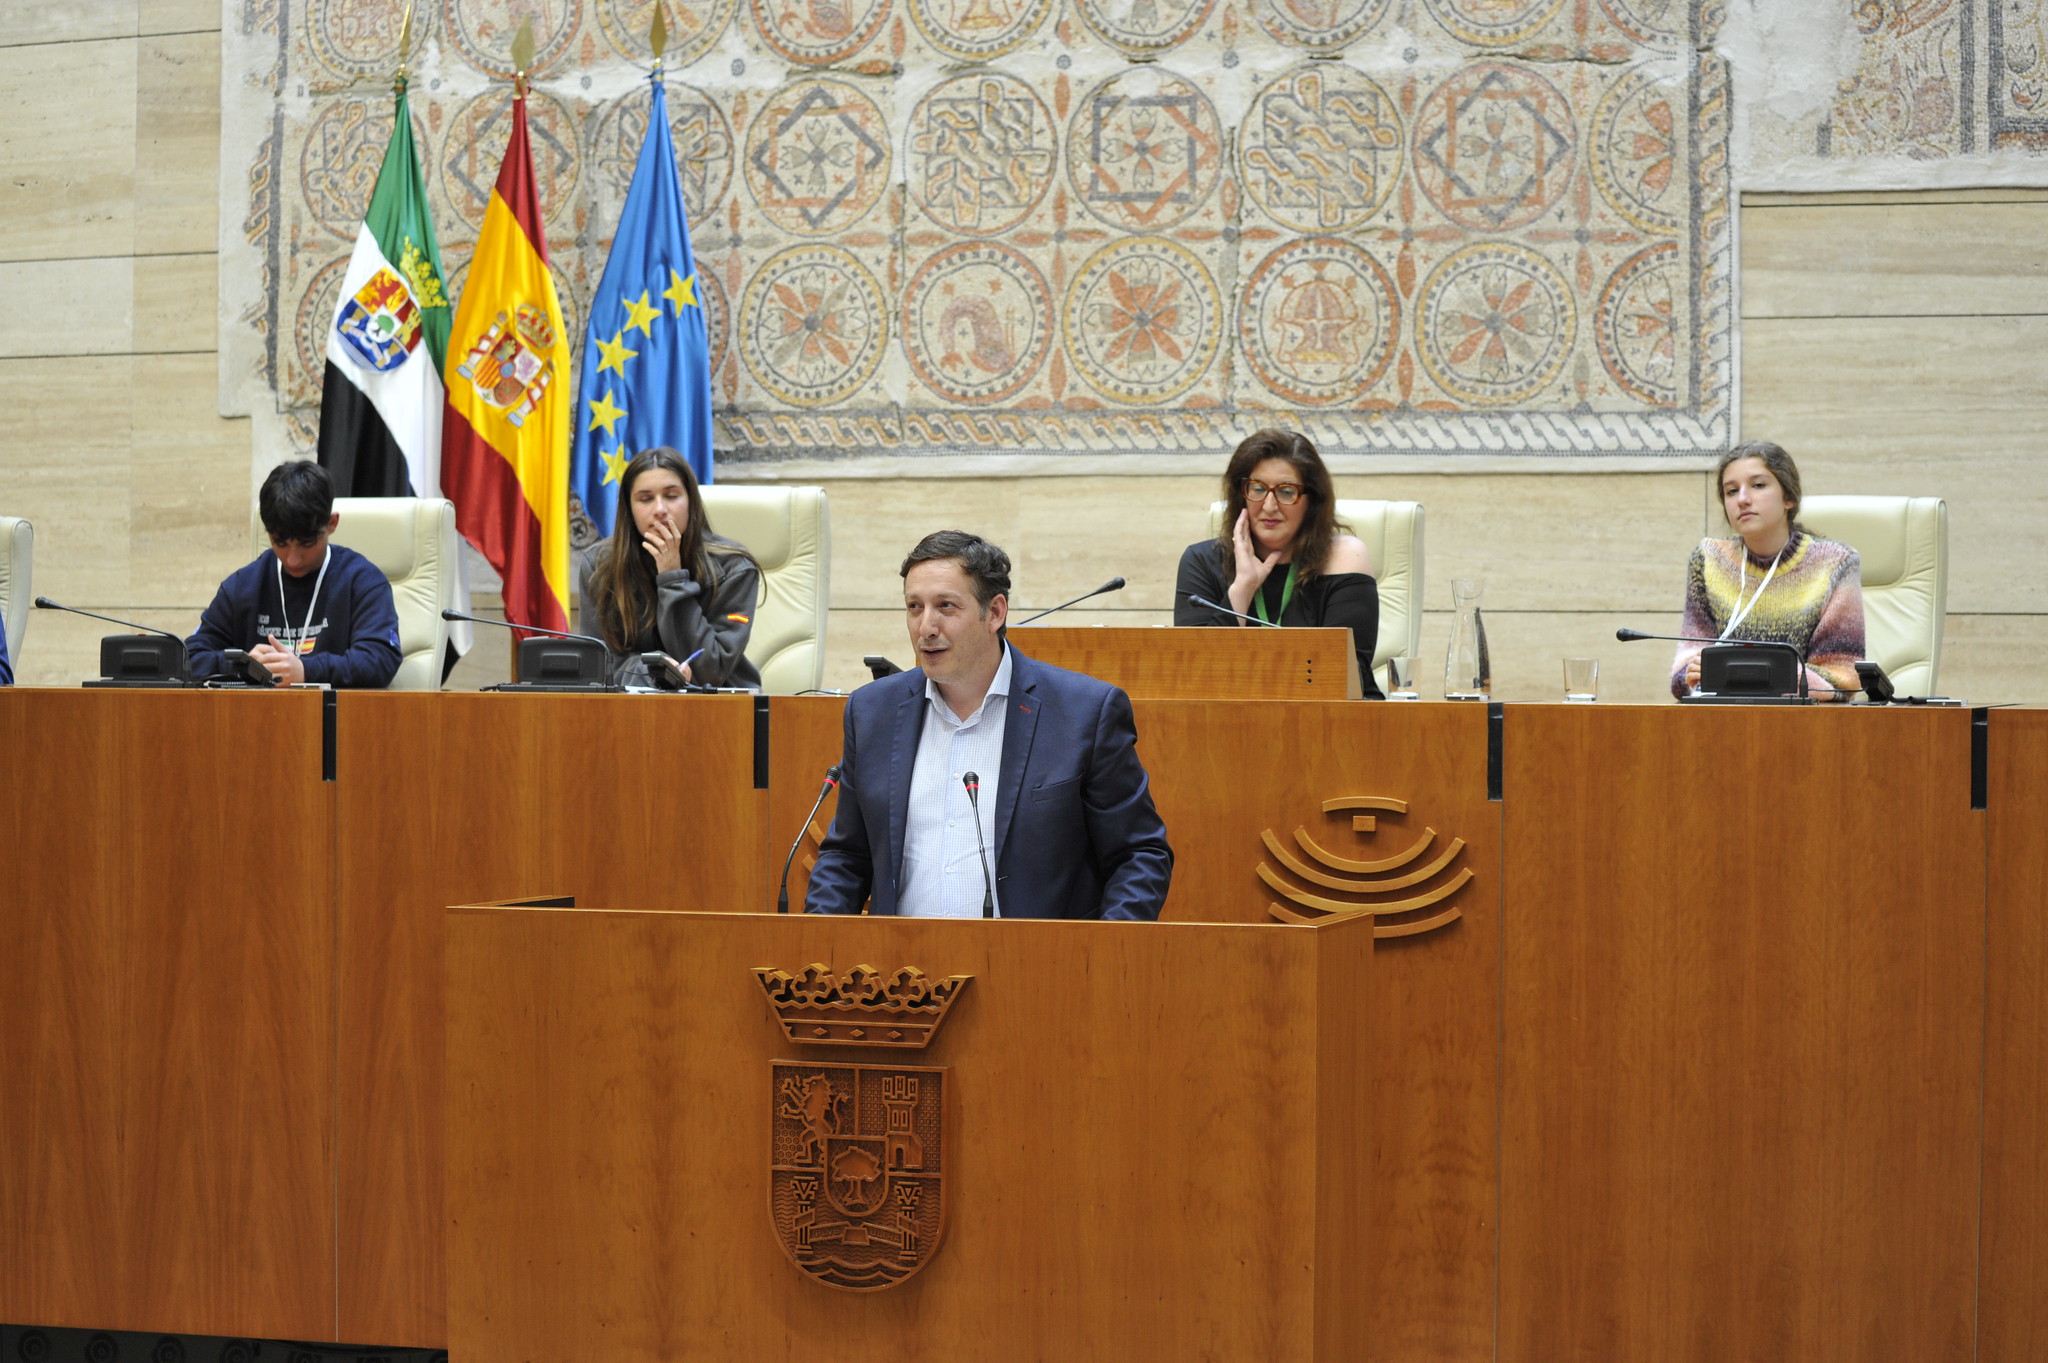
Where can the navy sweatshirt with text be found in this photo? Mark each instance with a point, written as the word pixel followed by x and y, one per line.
pixel 351 640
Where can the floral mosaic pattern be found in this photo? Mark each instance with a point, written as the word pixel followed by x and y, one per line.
pixel 1916 82
pixel 1140 226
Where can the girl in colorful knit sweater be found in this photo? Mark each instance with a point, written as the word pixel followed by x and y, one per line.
pixel 1773 580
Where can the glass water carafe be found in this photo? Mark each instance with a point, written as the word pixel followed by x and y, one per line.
pixel 1468 671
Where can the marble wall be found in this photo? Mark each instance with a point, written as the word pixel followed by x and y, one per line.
pixel 1892 342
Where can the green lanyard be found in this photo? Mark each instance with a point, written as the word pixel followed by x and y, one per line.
pixel 1286 595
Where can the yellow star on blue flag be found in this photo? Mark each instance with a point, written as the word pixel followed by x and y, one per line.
pixel 660 393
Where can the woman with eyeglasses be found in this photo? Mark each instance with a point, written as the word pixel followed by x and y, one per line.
pixel 1283 556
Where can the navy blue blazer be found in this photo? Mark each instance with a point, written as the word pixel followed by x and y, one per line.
pixel 1076 835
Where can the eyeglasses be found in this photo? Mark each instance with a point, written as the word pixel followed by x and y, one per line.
pixel 1256 492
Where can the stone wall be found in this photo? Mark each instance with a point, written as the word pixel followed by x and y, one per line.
pixel 1892 342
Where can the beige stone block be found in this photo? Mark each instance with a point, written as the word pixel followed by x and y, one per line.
pixel 876 522
pixel 852 634
pixel 177 147
pixel 65 466
pixel 1995 660
pixel 1596 541
pixel 1949 407
pixel 175 303
pixel 68 144
pixel 189 481
pixel 1895 259
pixel 177 16
pixel 64 650
pixel 1074 534
pixel 27 22
pixel 68 307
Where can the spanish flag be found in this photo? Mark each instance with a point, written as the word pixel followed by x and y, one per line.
pixel 505 433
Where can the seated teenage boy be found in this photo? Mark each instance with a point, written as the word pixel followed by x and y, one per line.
pixel 308 610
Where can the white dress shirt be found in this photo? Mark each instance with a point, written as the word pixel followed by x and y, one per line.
pixel 941 856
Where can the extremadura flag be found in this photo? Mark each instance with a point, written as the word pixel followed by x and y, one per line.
pixel 505 432
pixel 380 405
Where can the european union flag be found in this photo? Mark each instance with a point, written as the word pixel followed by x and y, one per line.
pixel 646 361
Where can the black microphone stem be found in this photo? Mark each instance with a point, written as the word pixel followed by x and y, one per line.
pixel 1115 584
pixel 46 604
pixel 782 892
pixel 988 888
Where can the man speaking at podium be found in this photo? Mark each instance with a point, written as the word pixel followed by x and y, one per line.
pixel 1070 831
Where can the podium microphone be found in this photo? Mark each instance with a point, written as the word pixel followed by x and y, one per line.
pixel 1115 584
pixel 782 892
pixel 527 629
pixel 1629 636
pixel 988 888
pixel 44 603
pixel 1206 604
pixel 129 661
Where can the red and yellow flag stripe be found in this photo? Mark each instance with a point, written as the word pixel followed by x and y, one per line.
pixel 505 435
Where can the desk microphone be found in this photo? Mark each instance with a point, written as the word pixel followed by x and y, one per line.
pixel 1629 636
pixel 1206 604
pixel 1115 584
pixel 782 892
pixel 528 629
pixel 988 889
pixel 44 603
pixel 126 660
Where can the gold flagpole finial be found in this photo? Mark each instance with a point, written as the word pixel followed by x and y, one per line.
pixel 522 54
pixel 404 47
pixel 657 34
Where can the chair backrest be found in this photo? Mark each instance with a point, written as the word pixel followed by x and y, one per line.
pixel 17 582
pixel 1392 532
pixel 412 541
pixel 1903 542
pixel 788 530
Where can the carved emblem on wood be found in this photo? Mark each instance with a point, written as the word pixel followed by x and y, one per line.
pixel 857 1169
pixel 1412 868
pixel 863 1008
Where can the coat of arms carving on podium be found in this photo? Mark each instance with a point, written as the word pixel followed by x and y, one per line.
pixel 857 1181
pixel 857 1153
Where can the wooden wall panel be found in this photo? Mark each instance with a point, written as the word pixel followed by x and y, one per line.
pixel 645 803
pixel 166 1024
pixel 1743 966
pixel 1133 1161
pixel 2013 1305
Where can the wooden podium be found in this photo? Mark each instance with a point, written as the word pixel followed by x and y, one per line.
pixel 1204 664
pixel 1155 1139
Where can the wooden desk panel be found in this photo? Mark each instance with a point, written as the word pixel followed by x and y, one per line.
pixel 2013 1305
pixel 805 736
pixel 646 802
pixel 166 1021
pixel 1742 1017
pixel 1204 664
pixel 1224 772
pixel 1135 1167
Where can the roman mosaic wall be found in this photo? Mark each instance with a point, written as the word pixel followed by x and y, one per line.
pixel 1890 94
pixel 1021 226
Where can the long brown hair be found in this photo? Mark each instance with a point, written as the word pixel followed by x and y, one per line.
pixel 624 577
pixel 1780 466
pixel 1319 528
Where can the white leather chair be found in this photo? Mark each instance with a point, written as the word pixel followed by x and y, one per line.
pixel 412 541
pixel 17 585
pixel 1392 532
pixel 788 530
pixel 1903 542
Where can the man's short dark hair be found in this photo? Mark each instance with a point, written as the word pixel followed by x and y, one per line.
pixel 296 500
pixel 986 566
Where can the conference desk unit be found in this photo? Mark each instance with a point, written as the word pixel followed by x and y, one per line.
pixel 1731 1045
